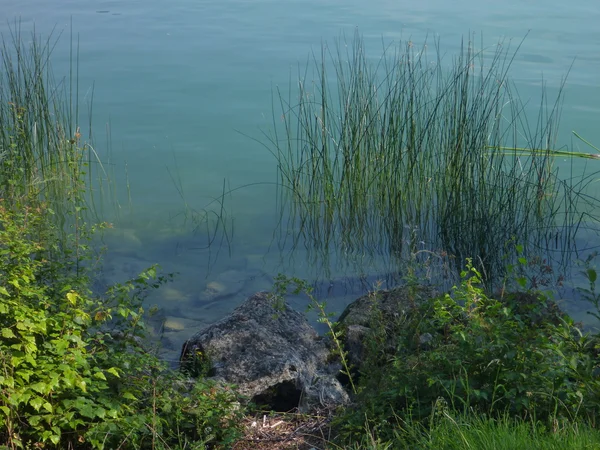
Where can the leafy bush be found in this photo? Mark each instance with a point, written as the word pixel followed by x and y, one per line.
pixel 517 355
pixel 75 370
pixel 48 378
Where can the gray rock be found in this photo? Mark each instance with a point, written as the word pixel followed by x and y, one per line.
pixel 270 352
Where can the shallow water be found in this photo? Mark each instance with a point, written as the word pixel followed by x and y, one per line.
pixel 183 87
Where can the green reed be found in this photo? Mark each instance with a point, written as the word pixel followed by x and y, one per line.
pixel 412 152
pixel 43 154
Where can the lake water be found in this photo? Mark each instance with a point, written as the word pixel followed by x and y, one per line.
pixel 184 86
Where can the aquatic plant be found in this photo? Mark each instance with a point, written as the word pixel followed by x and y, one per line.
pixel 412 153
pixel 42 150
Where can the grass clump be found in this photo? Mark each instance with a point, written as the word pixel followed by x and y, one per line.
pixel 447 431
pixel 468 431
pixel 508 434
pixel 374 156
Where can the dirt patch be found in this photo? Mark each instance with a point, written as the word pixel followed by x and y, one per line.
pixel 286 431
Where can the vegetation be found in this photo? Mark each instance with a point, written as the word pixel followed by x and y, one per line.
pixel 458 432
pixel 513 356
pixel 75 370
pixel 374 158
pixel 42 150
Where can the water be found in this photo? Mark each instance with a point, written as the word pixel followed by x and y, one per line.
pixel 184 85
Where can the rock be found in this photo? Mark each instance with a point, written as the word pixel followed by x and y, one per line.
pixel 122 240
pixel 225 284
pixel 171 294
pixel 387 310
pixel 228 283
pixel 354 336
pixel 215 289
pixel 270 352
pixel 173 324
pixel 425 340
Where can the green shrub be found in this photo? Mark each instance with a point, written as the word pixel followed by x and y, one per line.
pixel 517 355
pixel 75 370
pixel 49 381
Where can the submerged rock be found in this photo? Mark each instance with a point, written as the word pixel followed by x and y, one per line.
pixel 216 289
pixel 171 294
pixel 122 240
pixel 173 324
pixel 231 283
pixel 270 352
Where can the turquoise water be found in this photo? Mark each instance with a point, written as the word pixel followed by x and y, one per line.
pixel 183 86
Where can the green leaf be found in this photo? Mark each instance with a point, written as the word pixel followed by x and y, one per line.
pixel 39 387
pixel 592 275
pixel 3 291
pixel 82 385
pixel 36 402
pixel 24 374
pixel 86 410
pixel 100 376
pixel 129 396
pixel 573 363
pixel 100 412
pixel 69 378
pixel 55 438
pixel 114 371
pixel 72 297
pixel 7 333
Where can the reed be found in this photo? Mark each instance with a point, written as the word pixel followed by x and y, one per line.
pixel 406 153
pixel 43 155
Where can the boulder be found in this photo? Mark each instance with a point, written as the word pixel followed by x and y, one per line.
pixel 385 310
pixel 270 352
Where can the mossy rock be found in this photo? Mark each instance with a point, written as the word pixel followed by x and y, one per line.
pixel 377 317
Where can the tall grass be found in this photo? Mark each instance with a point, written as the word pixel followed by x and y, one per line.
pixel 469 431
pixel 414 152
pixel 43 154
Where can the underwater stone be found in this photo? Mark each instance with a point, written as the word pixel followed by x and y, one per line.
pixel 171 324
pixel 228 283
